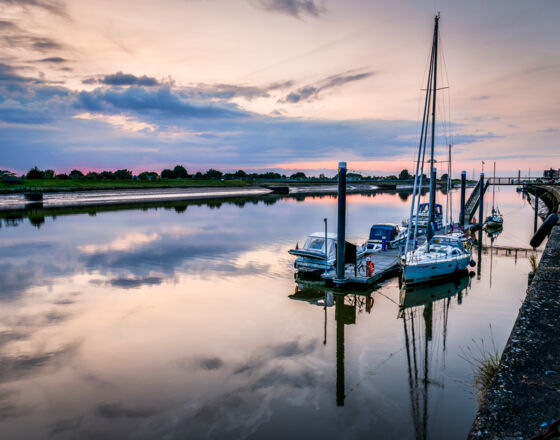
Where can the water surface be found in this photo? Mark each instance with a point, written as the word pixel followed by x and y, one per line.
pixel 187 322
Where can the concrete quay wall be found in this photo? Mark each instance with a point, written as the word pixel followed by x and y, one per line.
pixel 524 396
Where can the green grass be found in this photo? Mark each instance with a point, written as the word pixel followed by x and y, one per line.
pixel 534 262
pixel 86 184
pixel 484 361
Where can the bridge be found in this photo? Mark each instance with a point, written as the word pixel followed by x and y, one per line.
pixel 474 199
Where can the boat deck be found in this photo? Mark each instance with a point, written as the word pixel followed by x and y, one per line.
pixel 386 263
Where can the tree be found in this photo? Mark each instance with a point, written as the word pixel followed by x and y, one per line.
pixel 298 175
pixel 354 176
pixel 123 174
pixel 34 173
pixel 167 174
pixel 198 175
pixel 76 174
pixel 179 172
pixel 404 175
pixel 148 175
pixel 444 176
pixel 48 174
pixel 62 176
pixel 107 175
pixel 240 174
pixel 92 175
pixel 213 174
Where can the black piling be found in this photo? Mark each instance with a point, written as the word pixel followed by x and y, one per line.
pixel 481 201
pixel 339 314
pixel 463 187
pixel 536 208
pixel 341 233
pixel 432 200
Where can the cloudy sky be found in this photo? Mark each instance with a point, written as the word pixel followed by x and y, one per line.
pixel 274 84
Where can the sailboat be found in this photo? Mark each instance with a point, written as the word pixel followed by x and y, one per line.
pixel 496 220
pixel 445 254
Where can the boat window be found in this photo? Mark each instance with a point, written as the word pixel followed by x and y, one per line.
pixel 379 233
pixel 315 244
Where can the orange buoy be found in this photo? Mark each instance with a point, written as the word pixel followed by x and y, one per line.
pixel 370 268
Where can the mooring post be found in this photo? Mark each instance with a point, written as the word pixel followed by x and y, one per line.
pixel 341 233
pixel 432 203
pixel 339 314
pixel 518 177
pixel 326 248
pixel 479 254
pixel 481 201
pixel 536 208
pixel 463 186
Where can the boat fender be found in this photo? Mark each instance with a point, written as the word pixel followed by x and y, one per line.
pixel 370 267
pixel 472 263
pixel 544 230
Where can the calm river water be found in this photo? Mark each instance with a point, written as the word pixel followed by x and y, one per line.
pixel 187 322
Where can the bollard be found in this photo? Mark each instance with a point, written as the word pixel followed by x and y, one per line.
pixel 384 244
pixel 463 187
pixel 341 233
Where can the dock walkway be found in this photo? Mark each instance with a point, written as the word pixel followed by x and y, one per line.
pixel 386 263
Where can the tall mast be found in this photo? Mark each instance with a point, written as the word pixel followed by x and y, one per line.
pixel 494 188
pixel 434 89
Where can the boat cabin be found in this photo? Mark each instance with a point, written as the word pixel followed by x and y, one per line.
pixel 424 210
pixel 457 240
pixel 315 244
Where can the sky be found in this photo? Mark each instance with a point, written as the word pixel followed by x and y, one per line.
pixel 276 84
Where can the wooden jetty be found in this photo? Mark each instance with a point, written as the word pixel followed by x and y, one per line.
pixel 386 263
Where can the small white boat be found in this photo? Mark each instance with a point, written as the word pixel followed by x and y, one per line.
pixel 443 256
pixel 390 233
pixel 312 258
pixel 424 215
pixel 495 220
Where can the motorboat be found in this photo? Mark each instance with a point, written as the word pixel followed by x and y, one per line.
pixel 385 235
pixel 424 215
pixel 312 257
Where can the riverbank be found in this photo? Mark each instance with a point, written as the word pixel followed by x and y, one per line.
pixel 56 185
pixel 524 396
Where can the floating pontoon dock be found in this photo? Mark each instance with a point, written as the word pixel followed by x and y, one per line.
pixel 386 263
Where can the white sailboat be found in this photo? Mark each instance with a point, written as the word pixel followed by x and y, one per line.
pixel 496 220
pixel 441 255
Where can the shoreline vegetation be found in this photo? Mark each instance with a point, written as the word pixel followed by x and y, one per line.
pixel 48 181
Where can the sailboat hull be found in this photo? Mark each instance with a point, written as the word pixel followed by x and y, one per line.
pixel 428 271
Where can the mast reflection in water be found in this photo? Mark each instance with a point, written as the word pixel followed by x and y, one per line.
pixel 424 307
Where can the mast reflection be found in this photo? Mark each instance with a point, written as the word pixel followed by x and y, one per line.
pixel 432 301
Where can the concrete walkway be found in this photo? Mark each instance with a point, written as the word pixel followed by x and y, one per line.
pixel 524 397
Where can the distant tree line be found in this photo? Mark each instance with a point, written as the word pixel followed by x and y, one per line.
pixel 180 172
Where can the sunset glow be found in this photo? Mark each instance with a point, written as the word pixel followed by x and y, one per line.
pixel 269 84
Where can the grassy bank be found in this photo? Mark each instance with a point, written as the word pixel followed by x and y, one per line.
pixel 86 184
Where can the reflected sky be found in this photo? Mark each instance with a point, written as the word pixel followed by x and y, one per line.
pixel 162 323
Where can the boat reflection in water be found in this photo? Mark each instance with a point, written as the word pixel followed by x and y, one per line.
pixel 347 305
pixel 424 310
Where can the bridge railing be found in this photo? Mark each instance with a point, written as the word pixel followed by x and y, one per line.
pixel 513 180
